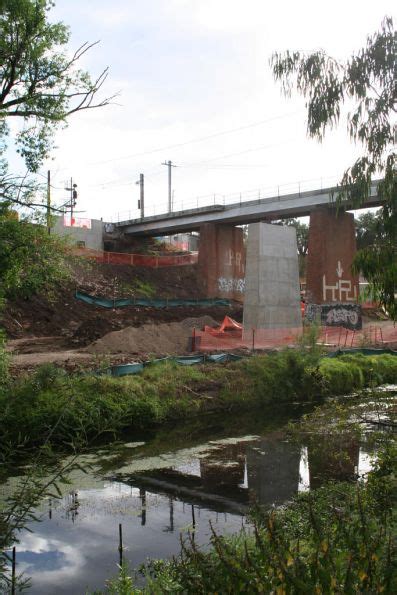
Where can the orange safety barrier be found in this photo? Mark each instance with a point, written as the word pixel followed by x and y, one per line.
pixel 139 260
pixel 231 335
pixel 229 328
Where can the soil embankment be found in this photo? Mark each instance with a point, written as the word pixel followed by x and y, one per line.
pixel 163 339
pixel 58 329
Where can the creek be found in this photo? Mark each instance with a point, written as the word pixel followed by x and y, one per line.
pixel 161 485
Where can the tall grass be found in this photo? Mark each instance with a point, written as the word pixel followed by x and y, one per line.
pixel 78 408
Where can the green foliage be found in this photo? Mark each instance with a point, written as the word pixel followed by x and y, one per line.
pixel 367 80
pixel 367 230
pixel 82 408
pixel 144 289
pixel 40 86
pixel 31 261
pixel 122 584
pixel 308 343
pixel 376 370
pixel 138 288
pixel 342 376
pixel 4 361
pixel 39 81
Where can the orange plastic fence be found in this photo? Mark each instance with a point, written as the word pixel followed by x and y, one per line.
pixel 232 338
pixel 139 260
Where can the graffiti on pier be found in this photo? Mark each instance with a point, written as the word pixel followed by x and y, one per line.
pixel 235 259
pixel 342 291
pixel 346 315
pixel 312 313
pixel 231 285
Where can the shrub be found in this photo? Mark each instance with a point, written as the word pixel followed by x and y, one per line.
pixel 342 376
pixel 4 360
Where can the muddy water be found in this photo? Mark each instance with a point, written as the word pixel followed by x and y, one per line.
pixel 162 486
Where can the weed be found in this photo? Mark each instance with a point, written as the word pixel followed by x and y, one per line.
pixel 83 406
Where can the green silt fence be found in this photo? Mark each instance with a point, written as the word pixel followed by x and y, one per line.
pixel 217 358
pixel 182 360
pixel 152 303
pixel 363 350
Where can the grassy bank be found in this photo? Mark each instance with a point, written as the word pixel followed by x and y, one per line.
pixel 50 405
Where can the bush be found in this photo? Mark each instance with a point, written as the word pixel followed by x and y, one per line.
pixel 80 408
pixel 4 360
pixel 342 376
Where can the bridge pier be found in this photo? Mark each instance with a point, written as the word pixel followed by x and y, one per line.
pixel 332 290
pixel 272 282
pixel 221 261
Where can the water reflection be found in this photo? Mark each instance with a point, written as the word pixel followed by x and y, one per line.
pixel 330 460
pixel 157 498
pixel 273 471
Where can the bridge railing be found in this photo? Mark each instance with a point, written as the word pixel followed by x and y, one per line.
pixel 197 202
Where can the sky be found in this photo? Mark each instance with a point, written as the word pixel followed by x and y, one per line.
pixel 195 87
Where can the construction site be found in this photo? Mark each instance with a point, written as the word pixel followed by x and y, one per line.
pixel 164 300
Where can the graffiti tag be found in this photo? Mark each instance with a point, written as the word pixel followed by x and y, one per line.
pixel 231 285
pixel 312 312
pixel 346 315
pixel 235 258
pixel 336 316
pixel 342 291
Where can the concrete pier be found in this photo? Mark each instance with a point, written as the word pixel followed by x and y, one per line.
pixel 272 293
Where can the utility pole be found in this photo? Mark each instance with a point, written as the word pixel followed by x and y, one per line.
pixel 73 198
pixel 169 164
pixel 49 202
pixel 141 201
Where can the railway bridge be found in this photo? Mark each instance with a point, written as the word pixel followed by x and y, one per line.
pixel 222 258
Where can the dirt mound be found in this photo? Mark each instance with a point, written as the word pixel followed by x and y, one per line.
pixel 114 281
pixel 163 339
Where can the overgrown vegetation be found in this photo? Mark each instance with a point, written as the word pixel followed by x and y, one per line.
pixel 367 82
pixel 4 374
pixel 31 261
pixel 78 408
pixel 41 86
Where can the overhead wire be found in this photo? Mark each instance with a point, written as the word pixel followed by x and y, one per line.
pixel 200 163
pixel 194 140
pixel 119 182
pixel 199 139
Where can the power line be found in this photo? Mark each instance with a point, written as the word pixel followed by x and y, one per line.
pixel 195 140
pixel 193 164
pixel 202 138
pixel 201 164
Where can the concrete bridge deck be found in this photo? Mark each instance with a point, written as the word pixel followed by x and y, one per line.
pixel 265 209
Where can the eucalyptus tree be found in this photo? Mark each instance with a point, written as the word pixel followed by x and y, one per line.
pixel 365 87
pixel 40 82
pixel 41 86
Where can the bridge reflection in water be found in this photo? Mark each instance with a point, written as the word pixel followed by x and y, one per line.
pixel 157 498
pixel 261 471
